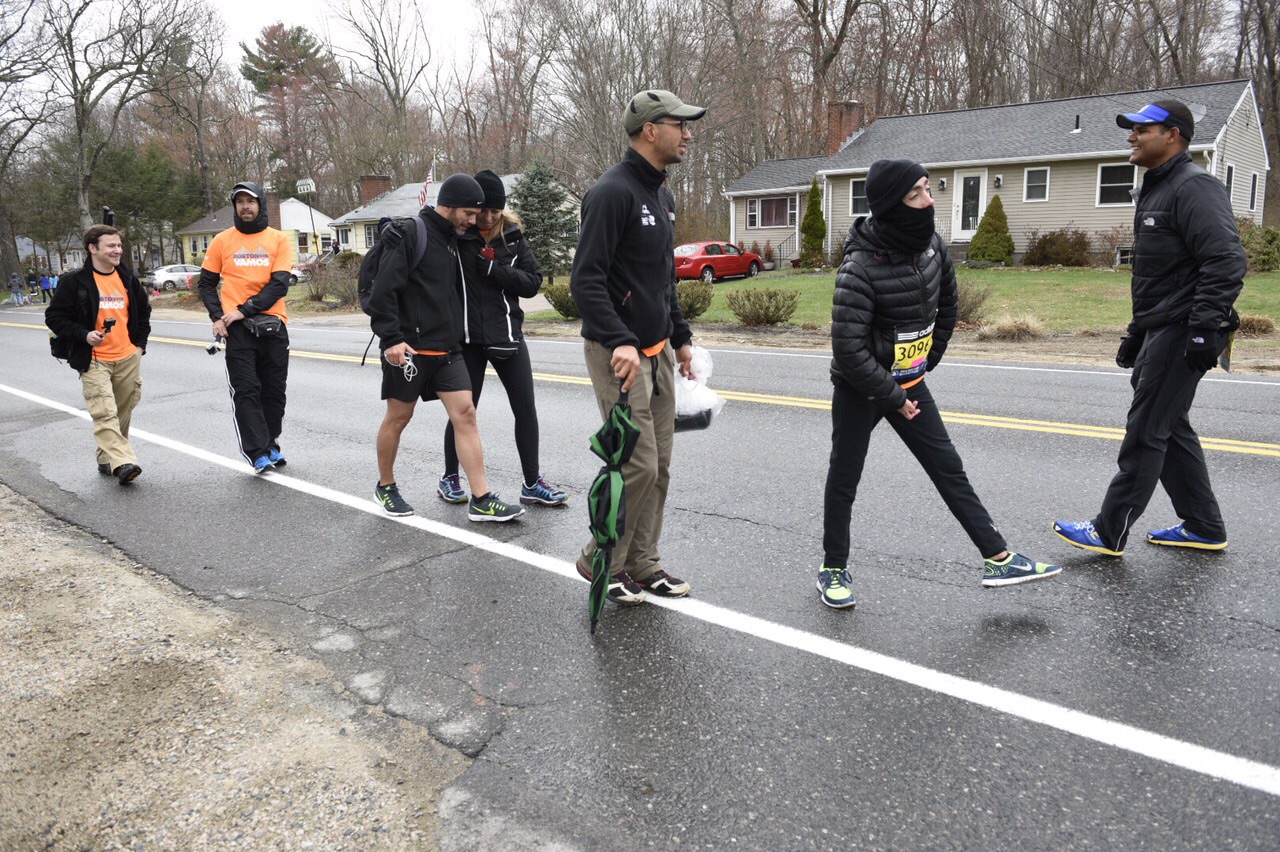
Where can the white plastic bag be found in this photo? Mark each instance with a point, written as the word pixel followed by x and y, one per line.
pixel 696 403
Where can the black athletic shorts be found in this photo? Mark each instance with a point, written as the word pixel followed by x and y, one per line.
pixel 436 374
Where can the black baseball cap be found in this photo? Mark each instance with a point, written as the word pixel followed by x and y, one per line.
pixel 1170 113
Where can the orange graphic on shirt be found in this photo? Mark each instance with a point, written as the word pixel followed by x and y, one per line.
pixel 113 303
pixel 246 263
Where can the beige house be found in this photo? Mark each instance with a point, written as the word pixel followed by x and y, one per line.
pixel 306 227
pixel 1054 164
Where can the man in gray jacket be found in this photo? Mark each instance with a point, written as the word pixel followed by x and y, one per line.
pixel 1188 270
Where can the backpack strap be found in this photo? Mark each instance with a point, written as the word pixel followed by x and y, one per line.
pixel 420 248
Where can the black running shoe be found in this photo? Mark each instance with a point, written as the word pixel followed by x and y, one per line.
pixel 490 508
pixel 391 501
pixel 622 589
pixel 664 585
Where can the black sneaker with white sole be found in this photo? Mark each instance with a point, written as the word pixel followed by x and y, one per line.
pixel 391 501
pixel 491 508
pixel 664 585
pixel 622 589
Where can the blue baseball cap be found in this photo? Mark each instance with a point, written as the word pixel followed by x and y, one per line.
pixel 1169 113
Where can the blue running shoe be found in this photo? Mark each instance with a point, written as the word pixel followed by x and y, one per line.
pixel 833 587
pixel 262 464
pixel 541 492
pixel 1016 568
pixel 450 489
pixel 1179 536
pixel 276 457
pixel 1082 534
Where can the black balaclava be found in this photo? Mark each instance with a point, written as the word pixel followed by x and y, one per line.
pixel 900 227
pixel 257 225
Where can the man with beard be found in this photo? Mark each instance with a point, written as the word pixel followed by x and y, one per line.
pixel 254 262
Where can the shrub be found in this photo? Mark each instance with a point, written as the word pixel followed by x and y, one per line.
pixel 349 260
pixel 695 297
pixel 767 254
pixel 332 283
pixel 1109 243
pixel 755 248
pixel 1253 325
pixel 973 302
pixel 763 307
pixel 1261 245
pixel 1013 329
pixel 561 299
pixel 992 241
pixel 813 230
pixel 1067 247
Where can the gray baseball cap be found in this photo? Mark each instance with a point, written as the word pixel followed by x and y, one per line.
pixel 653 104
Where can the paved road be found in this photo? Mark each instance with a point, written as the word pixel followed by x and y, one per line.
pixel 1129 704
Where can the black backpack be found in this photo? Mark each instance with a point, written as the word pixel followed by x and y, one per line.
pixel 391 237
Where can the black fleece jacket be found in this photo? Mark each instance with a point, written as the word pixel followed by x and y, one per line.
pixel 880 292
pixel 73 312
pixel 495 286
pixel 1188 262
pixel 624 269
pixel 422 306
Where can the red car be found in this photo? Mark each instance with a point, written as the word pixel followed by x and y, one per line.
pixel 712 260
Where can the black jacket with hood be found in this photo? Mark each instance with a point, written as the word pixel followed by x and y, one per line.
pixel 1188 262
pixel 73 312
pixel 624 269
pixel 422 306
pixel 880 292
pixel 494 287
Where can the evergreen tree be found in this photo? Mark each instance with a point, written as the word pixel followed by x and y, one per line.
pixel 550 225
pixel 813 230
pixel 992 242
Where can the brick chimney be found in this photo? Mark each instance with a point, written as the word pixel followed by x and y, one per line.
pixel 273 209
pixel 844 118
pixel 371 186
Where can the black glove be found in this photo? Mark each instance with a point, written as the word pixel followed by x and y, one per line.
pixel 1127 354
pixel 1202 349
pixel 931 360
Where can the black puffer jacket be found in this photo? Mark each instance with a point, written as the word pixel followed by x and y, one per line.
pixel 495 287
pixel 883 295
pixel 1188 262
pixel 73 312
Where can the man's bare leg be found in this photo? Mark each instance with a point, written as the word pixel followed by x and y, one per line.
pixel 397 417
pixel 466 438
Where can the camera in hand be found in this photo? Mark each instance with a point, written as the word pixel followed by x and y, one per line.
pixel 213 348
pixel 106 325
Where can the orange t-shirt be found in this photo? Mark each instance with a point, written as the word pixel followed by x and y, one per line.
pixel 246 263
pixel 113 303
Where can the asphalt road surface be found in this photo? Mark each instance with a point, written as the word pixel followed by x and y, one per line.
pixel 1128 704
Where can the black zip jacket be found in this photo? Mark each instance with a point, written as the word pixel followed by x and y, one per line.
pixel 1188 262
pixel 494 287
pixel 422 306
pixel 881 293
pixel 73 312
pixel 624 268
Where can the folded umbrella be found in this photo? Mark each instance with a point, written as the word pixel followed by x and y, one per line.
pixel 613 442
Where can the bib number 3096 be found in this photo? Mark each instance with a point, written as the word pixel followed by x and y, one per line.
pixel 911 353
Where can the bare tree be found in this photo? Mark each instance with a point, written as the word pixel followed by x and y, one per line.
pixel 22 109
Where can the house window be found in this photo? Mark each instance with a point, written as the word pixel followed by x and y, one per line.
pixel 303 243
pixel 1231 178
pixel 858 198
pixel 1115 184
pixel 195 247
pixel 771 212
pixel 344 237
pixel 326 242
pixel 1035 185
pixel 1253 192
pixel 370 236
pixel 206 242
pixel 1124 256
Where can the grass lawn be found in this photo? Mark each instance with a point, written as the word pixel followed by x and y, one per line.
pixel 1062 299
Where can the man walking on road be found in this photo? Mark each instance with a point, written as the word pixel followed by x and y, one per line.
pixel 249 312
pixel 1188 270
pixel 624 285
pixel 101 319
pixel 416 310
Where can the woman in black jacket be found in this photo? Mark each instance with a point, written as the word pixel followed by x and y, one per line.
pixel 498 269
pixel 893 313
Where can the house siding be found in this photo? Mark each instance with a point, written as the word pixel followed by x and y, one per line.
pixel 1241 146
pixel 777 236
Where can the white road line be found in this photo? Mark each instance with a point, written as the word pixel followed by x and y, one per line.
pixel 1205 761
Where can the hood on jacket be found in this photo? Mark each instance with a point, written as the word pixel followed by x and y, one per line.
pixel 257 225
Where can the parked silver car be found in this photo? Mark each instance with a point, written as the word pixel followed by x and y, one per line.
pixel 173 277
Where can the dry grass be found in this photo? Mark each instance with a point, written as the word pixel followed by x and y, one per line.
pixel 1252 325
pixel 1013 329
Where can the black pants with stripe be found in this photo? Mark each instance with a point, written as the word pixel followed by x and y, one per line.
pixel 853 417
pixel 1160 446
pixel 257 371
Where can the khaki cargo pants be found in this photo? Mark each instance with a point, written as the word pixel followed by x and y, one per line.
pixel 111 391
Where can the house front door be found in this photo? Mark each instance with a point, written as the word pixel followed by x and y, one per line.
pixel 971 200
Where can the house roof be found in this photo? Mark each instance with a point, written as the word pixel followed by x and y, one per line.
pixel 779 174
pixel 403 201
pixel 296 216
pixel 1044 130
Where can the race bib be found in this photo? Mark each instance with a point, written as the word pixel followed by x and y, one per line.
pixel 911 353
